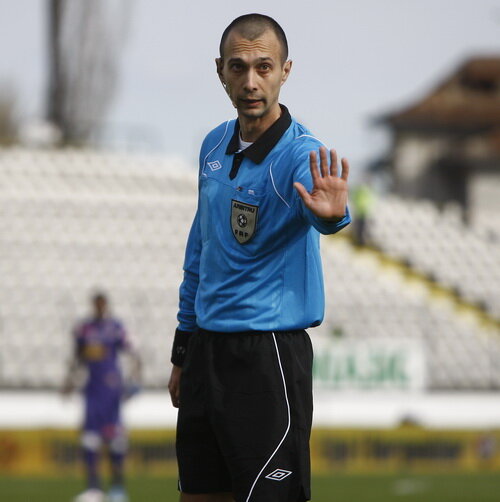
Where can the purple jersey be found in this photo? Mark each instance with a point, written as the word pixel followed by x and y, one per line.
pixel 99 342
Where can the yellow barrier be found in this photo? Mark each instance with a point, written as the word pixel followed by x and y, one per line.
pixel 404 449
pixel 152 452
pixel 57 452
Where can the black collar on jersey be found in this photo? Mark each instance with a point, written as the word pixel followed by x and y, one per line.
pixel 258 150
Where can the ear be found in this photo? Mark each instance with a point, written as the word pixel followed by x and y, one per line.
pixel 287 68
pixel 219 65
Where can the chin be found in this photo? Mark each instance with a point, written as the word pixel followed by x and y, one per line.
pixel 252 113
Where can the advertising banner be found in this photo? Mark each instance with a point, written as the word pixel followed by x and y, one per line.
pixel 378 364
pixel 55 453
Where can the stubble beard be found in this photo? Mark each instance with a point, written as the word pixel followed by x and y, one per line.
pixel 255 113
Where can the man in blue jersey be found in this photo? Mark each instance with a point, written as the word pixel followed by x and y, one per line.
pixel 98 343
pixel 242 374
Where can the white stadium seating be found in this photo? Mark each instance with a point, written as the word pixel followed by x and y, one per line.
pixel 75 221
pixel 72 221
pixel 438 244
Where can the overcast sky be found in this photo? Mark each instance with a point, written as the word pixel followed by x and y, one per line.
pixel 352 61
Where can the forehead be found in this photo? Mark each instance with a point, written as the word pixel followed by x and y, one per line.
pixel 265 45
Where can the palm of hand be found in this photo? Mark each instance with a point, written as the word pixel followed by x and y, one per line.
pixel 328 198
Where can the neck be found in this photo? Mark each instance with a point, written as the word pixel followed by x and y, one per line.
pixel 253 127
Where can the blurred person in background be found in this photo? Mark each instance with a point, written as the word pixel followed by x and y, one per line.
pixel 363 200
pixel 98 342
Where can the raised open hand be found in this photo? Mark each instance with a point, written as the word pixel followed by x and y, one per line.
pixel 328 198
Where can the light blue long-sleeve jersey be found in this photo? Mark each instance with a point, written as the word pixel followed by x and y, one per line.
pixel 252 258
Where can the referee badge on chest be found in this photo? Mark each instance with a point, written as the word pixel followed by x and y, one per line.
pixel 243 220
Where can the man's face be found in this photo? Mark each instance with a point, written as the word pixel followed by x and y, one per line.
pixel 100 306
pixel 253 73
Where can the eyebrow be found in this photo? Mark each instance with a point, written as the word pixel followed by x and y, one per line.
pixel 240 60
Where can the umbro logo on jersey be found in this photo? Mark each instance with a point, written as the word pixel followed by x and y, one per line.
pixel 278 475
pixel 214 165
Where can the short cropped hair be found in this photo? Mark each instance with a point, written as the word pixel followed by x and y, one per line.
pixel 99 296
pixel 252 26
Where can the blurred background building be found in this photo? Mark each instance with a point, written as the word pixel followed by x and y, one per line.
pixel 446 147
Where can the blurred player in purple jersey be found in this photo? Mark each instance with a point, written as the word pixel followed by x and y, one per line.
pixel 98 343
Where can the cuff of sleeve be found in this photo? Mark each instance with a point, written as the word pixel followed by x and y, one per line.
pixel 179 347
pixel 333 220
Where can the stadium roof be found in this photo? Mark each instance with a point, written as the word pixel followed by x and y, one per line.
pixel 467 100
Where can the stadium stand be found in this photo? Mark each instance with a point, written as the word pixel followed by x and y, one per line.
pixel 438 244
pixel 369 299
pixel 72 221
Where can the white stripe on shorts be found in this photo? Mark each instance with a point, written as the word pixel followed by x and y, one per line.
pixel 289 420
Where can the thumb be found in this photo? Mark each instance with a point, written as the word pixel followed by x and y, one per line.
pixel 304 194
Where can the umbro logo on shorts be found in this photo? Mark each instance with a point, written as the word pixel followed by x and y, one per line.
pixel 214 165
pixel 278 475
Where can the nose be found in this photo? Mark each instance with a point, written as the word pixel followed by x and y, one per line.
pixel 251 81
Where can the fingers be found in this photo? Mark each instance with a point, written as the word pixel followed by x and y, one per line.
pixel 174 397
pixel 313 164
pixel 323 161
pixel 333 162
pixel 173 389
pixel 326 170
pixel 345 169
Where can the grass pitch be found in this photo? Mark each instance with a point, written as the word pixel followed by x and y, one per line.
pixel 484 487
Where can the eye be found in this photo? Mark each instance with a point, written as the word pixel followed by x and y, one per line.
pixel 236 66
pixel 265 67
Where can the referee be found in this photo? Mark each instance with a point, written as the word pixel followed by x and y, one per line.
pixel 242 360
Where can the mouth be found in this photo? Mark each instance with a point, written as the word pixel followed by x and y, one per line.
pixel 252 102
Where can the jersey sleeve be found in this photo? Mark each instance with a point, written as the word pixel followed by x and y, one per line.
pixel 302 174
pixel 78 336
pixel 189 285
pixel 122 338
pixel 187 292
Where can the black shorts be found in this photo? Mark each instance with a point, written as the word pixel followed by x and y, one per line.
pixel 245 416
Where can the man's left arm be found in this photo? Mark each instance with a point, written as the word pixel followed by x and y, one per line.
pixel 125 344
pixel 74 372
pixel 324 192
